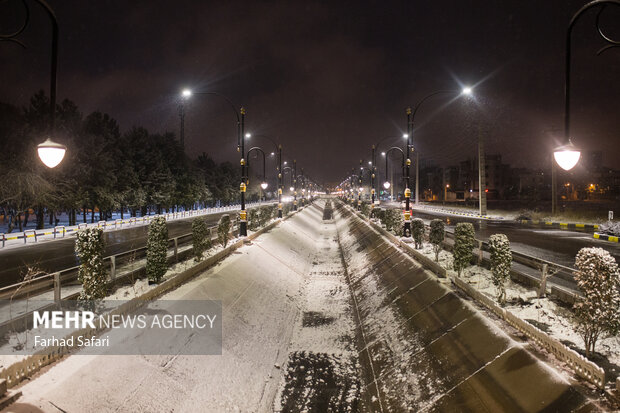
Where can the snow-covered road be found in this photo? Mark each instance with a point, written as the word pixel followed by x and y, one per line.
pixel 293 304
pixel 284 299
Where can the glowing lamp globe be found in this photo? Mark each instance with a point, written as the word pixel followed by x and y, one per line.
pixel 51 153
pixel 264 185
pixel 567 156
pixel 386 185
pixel 291 188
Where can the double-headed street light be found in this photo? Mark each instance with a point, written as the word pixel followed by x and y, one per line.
pixel 241 136
pixel 567 155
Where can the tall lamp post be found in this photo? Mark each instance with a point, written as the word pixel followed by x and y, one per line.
pixel 278 152
pixel 567 155
pixel 467 91
pixel 241 136
pixel 373 161
pixel 50 152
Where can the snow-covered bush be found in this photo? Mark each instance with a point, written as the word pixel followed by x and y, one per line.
pixel 365 209
pixel 598 311
pixel 417 230
pixel 223 230
pixel 437 236
pixel 267 213
pixel 156 248
pixel 253 219
pixel 92 274
pixel 286 209
pixel 201 240
pixel 377 213
pixel 610 228
pixel 463 246
pixel 394 221
pixel 501 261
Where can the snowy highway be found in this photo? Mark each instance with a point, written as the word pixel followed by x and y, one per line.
pixel 320 315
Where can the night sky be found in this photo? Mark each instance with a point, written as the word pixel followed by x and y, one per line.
pixel 328 79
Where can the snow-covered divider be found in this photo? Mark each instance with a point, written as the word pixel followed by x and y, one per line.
pixel 579 364
pixel 25 366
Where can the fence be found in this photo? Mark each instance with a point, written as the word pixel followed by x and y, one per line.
pixel 114 224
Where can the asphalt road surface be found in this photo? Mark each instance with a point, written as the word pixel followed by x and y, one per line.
pixel 55 255
pixel 555 245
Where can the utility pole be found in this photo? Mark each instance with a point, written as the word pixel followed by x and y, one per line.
pixel 482 194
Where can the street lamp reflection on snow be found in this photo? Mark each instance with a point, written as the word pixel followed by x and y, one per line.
pixel 386 185
pixel 51 153
pixel 567 156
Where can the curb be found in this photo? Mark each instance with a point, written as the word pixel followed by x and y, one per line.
pixel 561 225
pixel 604 237
pixel 463 214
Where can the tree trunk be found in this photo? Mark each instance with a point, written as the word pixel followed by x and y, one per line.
pixel 84 213
pixel 40 217
pixel 51 219
pixel 26 216
pixel 121 212
pixel 19 221
pixel 92 216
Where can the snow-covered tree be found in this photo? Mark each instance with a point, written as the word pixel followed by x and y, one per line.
pixel 201 239
pixel 223 230
pixel 463 246
pixel 92 274
pixel 437 236
pixel 393 221
pixel 377 213
pixel 598 311
pixel 156 248
pixel 417 230
pixel 253 219
pixel 501 261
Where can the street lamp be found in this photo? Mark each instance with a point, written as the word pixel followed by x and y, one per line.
pixel 241 136
pixel 50 152
pixel 568 155
pixel 466 91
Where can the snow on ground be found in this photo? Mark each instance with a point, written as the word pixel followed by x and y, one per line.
pixel 323 370
pixel 548 315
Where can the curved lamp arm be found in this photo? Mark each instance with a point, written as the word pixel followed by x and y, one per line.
pixel 256 149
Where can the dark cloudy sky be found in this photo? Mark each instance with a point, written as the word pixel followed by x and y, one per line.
pixel 329 78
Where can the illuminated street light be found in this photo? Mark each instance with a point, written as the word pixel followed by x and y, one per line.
pixel 186 93
pixel 264 185
pixel 248 135
pixel 467 91
pixel 51 153
pixel 386 185
pixel 567 156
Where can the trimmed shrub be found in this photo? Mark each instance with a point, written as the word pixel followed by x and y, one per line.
pixel 223 230
pixel 598 311
pixel 286 209
pixel 201 239
pixel 92 274
pixel 253 219
pixel 156 249
pixel 417 230
pixel 365 209
pixel 394 221
pixel 437 236
pixel 501 261
pixel 463 246
pixel 377 213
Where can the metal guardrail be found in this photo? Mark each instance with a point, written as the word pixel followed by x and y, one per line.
pixel 117 223
pixel 69 276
